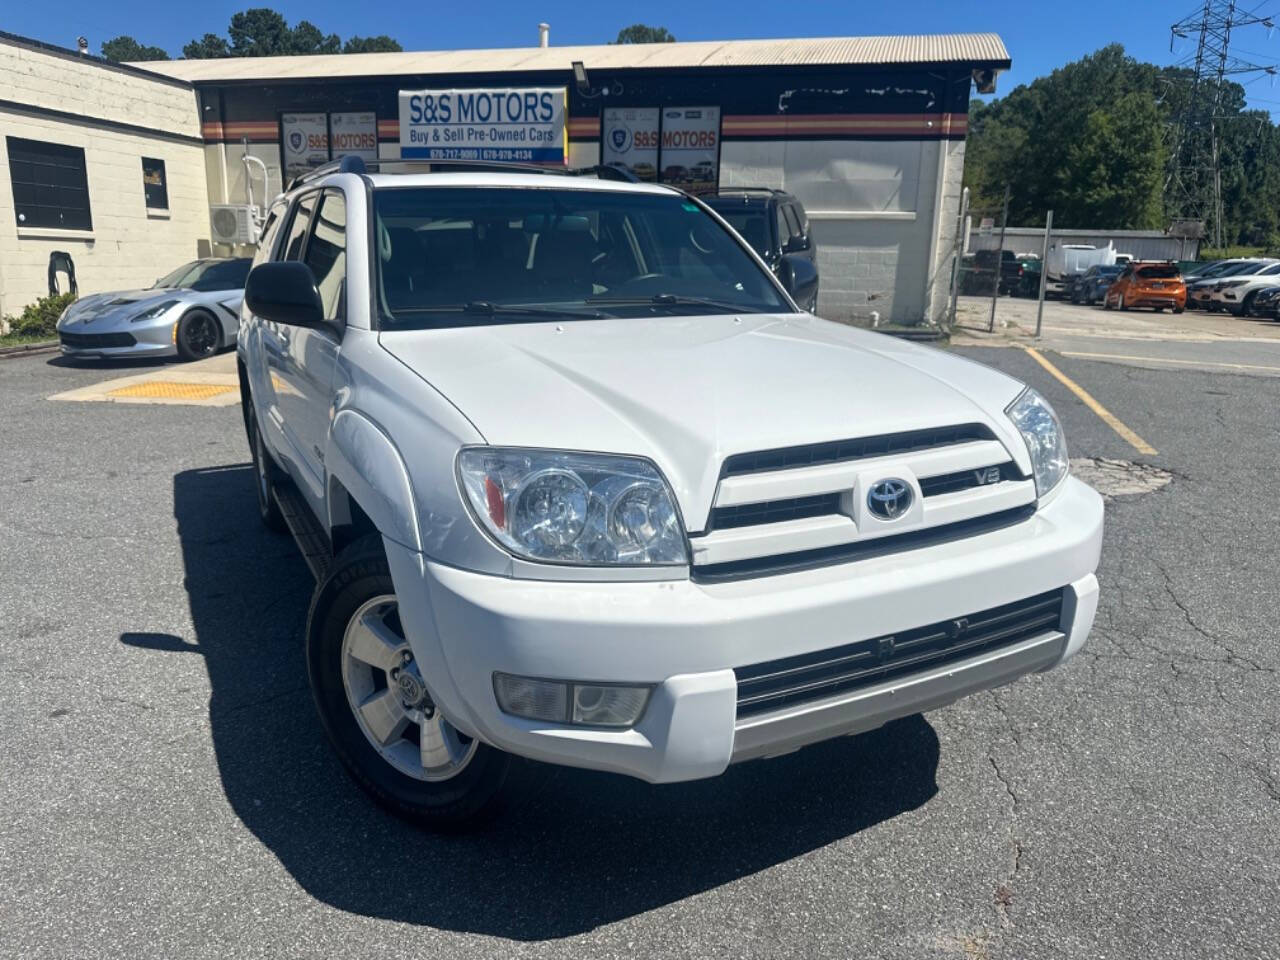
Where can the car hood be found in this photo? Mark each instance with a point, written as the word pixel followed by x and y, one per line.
pixel 689 391
pixel 120 305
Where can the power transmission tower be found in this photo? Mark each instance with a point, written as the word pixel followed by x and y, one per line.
pixel 1193 184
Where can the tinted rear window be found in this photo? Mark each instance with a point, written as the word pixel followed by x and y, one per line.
pixel 1159 271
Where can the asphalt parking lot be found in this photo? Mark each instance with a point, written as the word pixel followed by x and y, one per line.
pixel 167 792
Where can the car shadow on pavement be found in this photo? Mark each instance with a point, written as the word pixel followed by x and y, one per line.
pixel 581 850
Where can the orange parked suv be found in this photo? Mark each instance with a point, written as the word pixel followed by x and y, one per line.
pixel 1148 284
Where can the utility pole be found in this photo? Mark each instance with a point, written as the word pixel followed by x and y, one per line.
pixel 1193 182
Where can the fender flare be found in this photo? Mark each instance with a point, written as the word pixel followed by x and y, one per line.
pixel 362 458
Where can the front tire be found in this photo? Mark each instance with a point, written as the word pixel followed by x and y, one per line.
pixel 199 335
pixel 376 707
pixel 266 475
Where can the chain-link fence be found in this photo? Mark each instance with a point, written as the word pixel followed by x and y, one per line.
pixel 997 278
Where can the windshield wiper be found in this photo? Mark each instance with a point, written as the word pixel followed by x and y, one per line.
pixel 673 300
pixel 489 309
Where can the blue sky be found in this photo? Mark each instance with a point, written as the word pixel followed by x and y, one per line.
pixel 1039 36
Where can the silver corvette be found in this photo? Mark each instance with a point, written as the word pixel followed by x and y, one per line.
pixel 192 312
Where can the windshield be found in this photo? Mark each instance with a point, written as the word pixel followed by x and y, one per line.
pixel 208 275
pixel 751 222
pixel 450 256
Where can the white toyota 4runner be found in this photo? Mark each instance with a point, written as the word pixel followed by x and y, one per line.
pixel 580 483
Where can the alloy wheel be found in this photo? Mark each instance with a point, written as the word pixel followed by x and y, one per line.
pixel 389 699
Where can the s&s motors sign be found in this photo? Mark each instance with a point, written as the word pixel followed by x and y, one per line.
pixel 503 124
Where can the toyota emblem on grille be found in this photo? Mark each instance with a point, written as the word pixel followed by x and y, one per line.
pixel 889 499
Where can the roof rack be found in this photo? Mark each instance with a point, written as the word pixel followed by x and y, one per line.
pixel 358 165
pixel 768 190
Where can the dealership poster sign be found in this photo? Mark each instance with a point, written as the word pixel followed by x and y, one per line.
pixel 304 140
pixel 501 124
pixel 631 140
pixel 690 155
pixel 354 135
pixel 677 145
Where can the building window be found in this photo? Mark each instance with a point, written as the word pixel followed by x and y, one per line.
pixel 154 186
pixel 50 188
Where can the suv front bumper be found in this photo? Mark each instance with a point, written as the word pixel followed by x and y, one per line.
pixel 686 638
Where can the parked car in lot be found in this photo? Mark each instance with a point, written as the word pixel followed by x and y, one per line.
pixel 1154 284
pixel 1200 292
pixel 774 223
pixel 192 312
pixel 1092 285
pixel 581 482
pixel 1029 271
pixel 1237 294
pixel 1066 260
pixel 1267 303
pixel 980 269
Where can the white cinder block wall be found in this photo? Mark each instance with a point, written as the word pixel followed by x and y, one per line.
pixel 127 246
pixel 871 204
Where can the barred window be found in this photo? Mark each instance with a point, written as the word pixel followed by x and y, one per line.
pixel 50 187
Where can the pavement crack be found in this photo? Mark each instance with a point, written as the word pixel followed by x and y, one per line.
pixel 1231 655
pixel 1003 894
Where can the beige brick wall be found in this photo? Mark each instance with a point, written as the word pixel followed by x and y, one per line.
pixel 127 247
pixel 86 87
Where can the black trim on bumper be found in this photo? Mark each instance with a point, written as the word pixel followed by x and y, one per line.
pixel 765 687
pixel 91 341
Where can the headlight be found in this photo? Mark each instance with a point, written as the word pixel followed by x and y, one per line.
pixel 153 312
pixel 576 508
pixel 1042 432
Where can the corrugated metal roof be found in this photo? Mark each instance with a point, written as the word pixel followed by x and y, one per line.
pixel 978 48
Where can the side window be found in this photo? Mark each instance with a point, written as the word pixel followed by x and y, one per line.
pixel 784 231
pixel 327 253
pixel 803 217
pixel 793 222
pixel 298 228
pixel 269 230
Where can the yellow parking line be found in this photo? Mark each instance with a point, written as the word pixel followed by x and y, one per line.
pixel 1189 363
pixel 1107 417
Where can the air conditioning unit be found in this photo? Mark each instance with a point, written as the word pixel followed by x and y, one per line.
pixel 234 223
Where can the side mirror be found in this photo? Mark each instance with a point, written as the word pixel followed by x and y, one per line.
pixel 285 292
pixel 796 245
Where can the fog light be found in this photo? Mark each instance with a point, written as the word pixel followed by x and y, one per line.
pixel 557 701
pixel 608 706
pixel 533 699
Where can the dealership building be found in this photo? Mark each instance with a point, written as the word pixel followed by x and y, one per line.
pixel 130 169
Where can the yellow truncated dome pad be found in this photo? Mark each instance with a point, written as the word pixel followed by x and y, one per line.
pixel 169 390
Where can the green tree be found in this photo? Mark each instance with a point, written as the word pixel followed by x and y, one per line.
pixel 262 32
pixel 306 39
pixel 1092 142
pixel 209 47
pixel 1113 175
pixel 379 44
pixel 640 33
pixel 125 49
